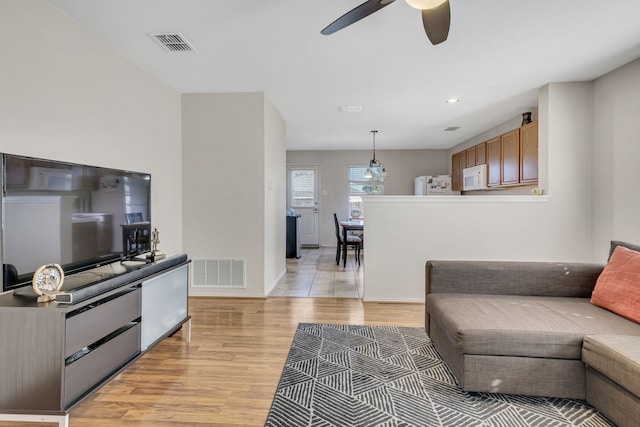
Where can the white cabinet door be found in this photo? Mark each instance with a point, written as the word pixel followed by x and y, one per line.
pixel 164 304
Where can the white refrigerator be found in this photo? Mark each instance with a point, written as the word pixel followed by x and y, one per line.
pixel 433 185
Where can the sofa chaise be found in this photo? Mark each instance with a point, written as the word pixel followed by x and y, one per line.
pixel 531 328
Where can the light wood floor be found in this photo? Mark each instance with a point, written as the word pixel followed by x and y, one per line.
pixel 228 373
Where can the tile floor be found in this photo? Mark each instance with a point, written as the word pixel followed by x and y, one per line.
pixel 315 274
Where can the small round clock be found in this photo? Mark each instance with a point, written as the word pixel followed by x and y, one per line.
pixel 47 280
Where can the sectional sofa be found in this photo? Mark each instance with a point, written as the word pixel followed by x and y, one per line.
pixel 532 328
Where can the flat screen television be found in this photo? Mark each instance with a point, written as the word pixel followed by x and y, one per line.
pixel 75 215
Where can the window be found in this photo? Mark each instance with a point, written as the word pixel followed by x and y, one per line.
pixel 302 188
pixel 358 187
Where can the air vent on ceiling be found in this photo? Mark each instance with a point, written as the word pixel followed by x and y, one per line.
pixel 350 108
pixel 452 128
pixel 172 42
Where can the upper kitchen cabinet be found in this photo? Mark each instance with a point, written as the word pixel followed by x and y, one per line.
pixel 471 157
pixel 458 162
pixel 493 162
pixel 476 155
pixel 510 158
pixel 481 153
pixel 529 153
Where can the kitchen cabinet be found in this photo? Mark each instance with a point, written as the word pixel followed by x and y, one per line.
pixel 493 162
pixel 481 153
pixel 529 153
pixel 475 155
pixel 471 157
pixel 456 175
pixel 510 158
pixel 461 167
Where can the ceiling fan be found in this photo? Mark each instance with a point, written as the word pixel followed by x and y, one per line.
pixel 436 17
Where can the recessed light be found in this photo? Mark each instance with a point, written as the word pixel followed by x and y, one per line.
pixel 453 100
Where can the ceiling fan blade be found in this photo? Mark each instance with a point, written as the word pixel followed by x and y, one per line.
pixel 354 15
pixel 436 22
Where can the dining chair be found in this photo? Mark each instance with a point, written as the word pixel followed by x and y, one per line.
pixel 354 241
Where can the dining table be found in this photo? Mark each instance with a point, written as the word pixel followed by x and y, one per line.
pixel 347 226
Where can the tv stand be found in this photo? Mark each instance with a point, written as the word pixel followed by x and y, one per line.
pixel 55 355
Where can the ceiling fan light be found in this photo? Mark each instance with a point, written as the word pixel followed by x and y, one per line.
pixel 425 4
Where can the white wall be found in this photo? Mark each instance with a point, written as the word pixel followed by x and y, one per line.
pixel 227 139
pixel 616 158
pixel 402 166
pixel 64 95
pixel 403 233
pixel 275 182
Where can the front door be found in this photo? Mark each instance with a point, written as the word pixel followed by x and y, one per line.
pixel 302 185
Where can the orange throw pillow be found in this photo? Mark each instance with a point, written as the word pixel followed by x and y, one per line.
pixel 618 286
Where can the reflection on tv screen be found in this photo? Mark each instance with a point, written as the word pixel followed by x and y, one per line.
pixel 78 216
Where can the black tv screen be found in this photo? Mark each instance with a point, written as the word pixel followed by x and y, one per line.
pixel 78 216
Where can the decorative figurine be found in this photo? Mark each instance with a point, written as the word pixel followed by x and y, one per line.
pixel 47 281
pixel 155 239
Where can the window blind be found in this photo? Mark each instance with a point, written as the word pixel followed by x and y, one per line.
pixel 302 189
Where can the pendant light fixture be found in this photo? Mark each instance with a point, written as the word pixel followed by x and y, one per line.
pixel 375 169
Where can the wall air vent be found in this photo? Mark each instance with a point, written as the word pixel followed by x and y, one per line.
pixel 452 128
pixel 219 273
pixel 172 42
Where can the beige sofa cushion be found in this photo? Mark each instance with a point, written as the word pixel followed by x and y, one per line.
pixel 532 326
pixel 616 357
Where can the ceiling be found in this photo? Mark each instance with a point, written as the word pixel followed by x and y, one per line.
pixel 499 52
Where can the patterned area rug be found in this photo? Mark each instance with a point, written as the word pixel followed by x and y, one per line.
pixel 347 375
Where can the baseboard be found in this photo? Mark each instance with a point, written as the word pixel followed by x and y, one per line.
pixel 264 297
pixel 200 292
pixel 274 284
pixel 393 300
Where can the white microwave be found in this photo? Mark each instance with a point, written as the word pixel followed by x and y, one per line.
pixel 474 178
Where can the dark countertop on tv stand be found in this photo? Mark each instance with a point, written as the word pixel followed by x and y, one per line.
pixel 92 284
